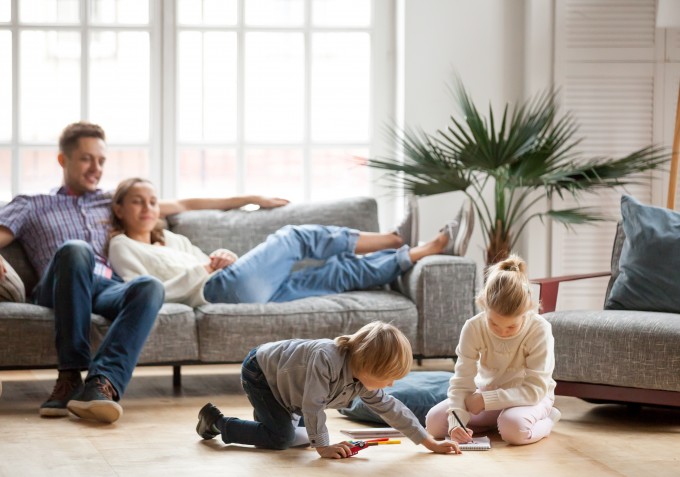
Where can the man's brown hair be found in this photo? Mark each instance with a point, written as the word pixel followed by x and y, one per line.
pixel 68 141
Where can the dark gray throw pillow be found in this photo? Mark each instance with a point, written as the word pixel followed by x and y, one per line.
pixel 418 390
pixel 649 268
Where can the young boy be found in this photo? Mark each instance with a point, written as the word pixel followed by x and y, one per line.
pixel 286 380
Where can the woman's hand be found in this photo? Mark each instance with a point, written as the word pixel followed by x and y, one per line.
pixel 458 434
pixel 221 258
pixel 474 403
pixel 270 202
pixel 443 447
pixel 335 451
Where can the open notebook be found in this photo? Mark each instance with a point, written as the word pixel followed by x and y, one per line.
pixel 478 443
pixel 371 432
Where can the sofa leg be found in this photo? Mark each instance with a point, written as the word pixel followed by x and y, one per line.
pixel 177 377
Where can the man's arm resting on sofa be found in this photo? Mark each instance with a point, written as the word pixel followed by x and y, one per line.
pixel 549 287
pixel 443 289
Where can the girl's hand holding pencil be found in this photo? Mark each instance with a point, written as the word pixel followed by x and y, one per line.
pixel 461 434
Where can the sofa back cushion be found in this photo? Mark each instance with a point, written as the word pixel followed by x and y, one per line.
pixel 240 231
pixel 619 239
pixel 650 259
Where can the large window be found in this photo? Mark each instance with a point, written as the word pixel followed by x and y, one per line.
pixel 66 60
pixel 205 97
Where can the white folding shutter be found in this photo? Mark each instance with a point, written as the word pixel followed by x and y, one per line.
pixel 673 44
pixel 605 30
pixel 604 65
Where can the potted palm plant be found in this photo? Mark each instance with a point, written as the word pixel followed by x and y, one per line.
pixel 525 157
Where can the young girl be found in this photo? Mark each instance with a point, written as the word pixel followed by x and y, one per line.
pixel 286 380
pixel 264 274
pixel 504 366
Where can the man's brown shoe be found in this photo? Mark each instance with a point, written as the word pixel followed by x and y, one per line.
pixel 68 384
pixel 96 401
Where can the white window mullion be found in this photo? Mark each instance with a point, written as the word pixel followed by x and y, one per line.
pixel 16 132
pixel 158 115
pixel 240 97
pixel 307 127
pixel 168 115
pixel 84 59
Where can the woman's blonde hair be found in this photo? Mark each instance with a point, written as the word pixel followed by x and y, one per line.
pixel 507 291
pixel 379 350
pixel 117 226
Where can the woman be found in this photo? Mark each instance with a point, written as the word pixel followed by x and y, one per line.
pixel 139 247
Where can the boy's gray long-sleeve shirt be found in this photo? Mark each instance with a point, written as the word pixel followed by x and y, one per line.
pixel 308 376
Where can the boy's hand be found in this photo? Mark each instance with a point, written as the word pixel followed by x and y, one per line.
pixel 335 451
pixel 3 270
pixel 443 447
pixel 461 435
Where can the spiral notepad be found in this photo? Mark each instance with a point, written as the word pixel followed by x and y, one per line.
pixel 478 443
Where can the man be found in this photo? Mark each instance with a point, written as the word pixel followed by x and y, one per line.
pixel 64 234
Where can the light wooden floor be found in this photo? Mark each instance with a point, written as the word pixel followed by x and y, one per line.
pixel 156 436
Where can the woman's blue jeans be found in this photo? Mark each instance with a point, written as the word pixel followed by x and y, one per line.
pixel 264 274
pixel 273 427
pixel 70 287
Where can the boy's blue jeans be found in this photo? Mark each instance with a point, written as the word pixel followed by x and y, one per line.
pixel 273 427
pixel 264 273
pixel 70 287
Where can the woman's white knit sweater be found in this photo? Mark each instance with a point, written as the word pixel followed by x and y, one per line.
pixel 179 265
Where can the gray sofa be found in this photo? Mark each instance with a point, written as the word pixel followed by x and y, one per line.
pixel 430 303
pixel 613 355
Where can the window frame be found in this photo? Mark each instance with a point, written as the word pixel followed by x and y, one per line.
pixel 163 144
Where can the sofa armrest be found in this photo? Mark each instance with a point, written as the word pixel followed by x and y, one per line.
pixel 548 288
pixel 443 289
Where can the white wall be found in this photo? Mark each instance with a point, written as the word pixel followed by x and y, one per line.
pixel 481 40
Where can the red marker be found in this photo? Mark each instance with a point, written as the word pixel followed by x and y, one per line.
pixel 357 446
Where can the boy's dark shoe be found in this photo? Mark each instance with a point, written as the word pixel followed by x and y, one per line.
pixel 207 418
pixel 96 401
pixel 69 383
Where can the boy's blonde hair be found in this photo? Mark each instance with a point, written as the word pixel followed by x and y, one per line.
pixel 379 350
pixel 507 291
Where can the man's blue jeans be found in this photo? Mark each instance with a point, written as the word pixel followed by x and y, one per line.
pixel 274 427
pixel 264 274
pixel 70 287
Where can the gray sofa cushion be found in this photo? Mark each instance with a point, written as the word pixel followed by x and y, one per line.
pixel 621 348
pixel 27 336
pixel 173 338
pixel 240 231
pixel 227 332
pixel 650 260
